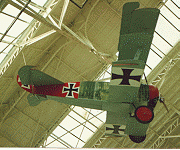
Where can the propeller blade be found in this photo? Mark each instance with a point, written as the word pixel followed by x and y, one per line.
pixel 165 106
pixel 163 102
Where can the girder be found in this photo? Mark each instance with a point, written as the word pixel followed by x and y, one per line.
pixel 167 132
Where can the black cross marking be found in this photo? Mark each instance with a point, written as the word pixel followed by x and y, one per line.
pixel 116 129
pixel 25 86
pixel 126 76
pixel 70 90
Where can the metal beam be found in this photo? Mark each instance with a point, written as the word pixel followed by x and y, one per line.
pixel 15 19
pixel 83 123
pixel 37 38
pixel 3 4
pixel 39 18
pixel 176 110
pixel 41 142
pixel 82 39
pixel 20 97
pixel 38 124
pixel 168 131
pixel 54 20
pixel 170 136
pixel 10 43
pixel 66 2
pixel 35 5
pixel 174 3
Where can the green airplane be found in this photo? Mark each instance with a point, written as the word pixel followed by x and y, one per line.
pixel 129 104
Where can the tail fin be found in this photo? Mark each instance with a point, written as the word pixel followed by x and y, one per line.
pixel 24 86
pixel 30 76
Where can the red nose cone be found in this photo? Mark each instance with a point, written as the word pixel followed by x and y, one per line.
pixel 153 92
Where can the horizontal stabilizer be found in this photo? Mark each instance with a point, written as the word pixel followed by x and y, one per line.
pixel 30 76
pixel 34 100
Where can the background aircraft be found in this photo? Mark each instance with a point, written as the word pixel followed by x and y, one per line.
pixel 129 104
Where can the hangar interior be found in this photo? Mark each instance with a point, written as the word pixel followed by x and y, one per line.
pixel 77 40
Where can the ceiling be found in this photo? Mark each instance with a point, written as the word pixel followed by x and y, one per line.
pixel 81 50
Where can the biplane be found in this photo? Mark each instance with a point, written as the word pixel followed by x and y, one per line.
pixel 128 102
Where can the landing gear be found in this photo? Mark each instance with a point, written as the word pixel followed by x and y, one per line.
pixel 144 114
pixel 137 139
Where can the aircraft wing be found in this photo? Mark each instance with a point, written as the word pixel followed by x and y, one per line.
pixel 118 125
pixel 120 122
pixel 137 29
pixel 136 128
pixel 136 34
pixel 30 76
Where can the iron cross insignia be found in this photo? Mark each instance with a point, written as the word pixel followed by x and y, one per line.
pixel 125 77
pixel 23 85
pixel 70 90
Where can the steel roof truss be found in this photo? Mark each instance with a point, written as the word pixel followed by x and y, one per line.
pixel 167 132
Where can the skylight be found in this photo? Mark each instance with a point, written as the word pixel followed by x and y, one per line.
pixel 10 28
pixel 14 25
pixel 76 128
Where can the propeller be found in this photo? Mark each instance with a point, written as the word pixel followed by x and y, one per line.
pixel 162 100
pixel 161 82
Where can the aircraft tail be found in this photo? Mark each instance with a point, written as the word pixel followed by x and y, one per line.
pixel 34 100
pixel 30 76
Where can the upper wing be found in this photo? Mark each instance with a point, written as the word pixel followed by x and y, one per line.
pixel 137 28
pixel 30 76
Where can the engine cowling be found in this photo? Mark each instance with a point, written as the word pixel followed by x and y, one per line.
pixel 153 96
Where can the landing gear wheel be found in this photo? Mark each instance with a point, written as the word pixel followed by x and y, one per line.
pixel 144 114
pixel 137 139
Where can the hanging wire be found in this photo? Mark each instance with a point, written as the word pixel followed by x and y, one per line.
pixel 146 79
pixel 24 58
